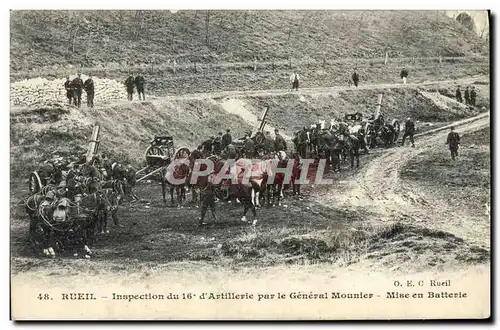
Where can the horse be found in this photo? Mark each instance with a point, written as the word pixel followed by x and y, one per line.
pixel 280 160
pixel 176 172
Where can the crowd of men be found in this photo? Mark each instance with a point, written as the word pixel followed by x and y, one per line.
pixel 469 96
pixel 74 90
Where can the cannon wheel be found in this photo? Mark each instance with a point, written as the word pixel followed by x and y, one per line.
pixel 182 153
pixel 397 129
pixel 35 183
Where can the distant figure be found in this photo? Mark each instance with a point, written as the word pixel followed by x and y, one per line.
pixel 88 86
pixel 69 90
pixel 279 141
pixel 473 96
pixel 294 79
pixel 453 141
pixel 404 75
pixel 467 96
pixel 77 85
pixel 227 139
pixel 355 78
pixel 458 95
pixel 409 131
pixel 129 83
pixel 139 84
pixel 249 147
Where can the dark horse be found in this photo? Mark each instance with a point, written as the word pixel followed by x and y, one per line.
pixel 172 173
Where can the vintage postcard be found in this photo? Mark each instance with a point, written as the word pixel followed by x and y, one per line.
pixel 250 164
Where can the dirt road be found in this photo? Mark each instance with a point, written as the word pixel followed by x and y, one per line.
pixel 378 191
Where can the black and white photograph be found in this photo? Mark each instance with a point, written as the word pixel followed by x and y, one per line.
pixel 196 164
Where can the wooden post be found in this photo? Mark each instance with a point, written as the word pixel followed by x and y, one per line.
pixel 379 105
pixel 174 64
pixel 386 58
pixel 290 62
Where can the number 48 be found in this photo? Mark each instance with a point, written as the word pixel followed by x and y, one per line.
pixel 44 296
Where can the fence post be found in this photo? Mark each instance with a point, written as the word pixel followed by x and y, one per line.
pixel 174 64
pixel 386 58
pixel 290 62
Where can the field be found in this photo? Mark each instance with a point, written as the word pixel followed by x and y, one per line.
pixel 403 211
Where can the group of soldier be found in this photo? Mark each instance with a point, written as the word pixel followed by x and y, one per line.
pixel 74 90
pixel 135 83
pixel 223 145
pixel 469 96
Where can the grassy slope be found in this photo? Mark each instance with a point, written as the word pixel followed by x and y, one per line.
pixel 42 38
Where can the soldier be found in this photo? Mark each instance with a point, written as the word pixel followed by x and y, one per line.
pixel 196 153
pixel 129 83
pixel 458 95
pixel 473 96
pixel 467 96
pixel 88 85
pixel 77 86
pixel 227 139
pixel 294 79
pixel 229 152
pixel 249 147
pixel 217 144
pixel 409 131
pixel 208 200
pixel 453 141
pixel 69 90
pixel 268 143
pixel 302 141
pixel 207 146
pixel 404 75
pixel 279 141
pixel 355 78
pixel 139 84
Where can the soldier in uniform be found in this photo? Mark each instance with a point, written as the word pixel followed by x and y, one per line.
pixel 129 83
pixel 302 141
pixel 226 139
pixel 453 142
pixel 88 85
pixel 208 200
pixel 279 141
pixel 229 152
pixel 294 79
pixel 409 131
pixel 404 75
pixel 355 78
pixel 249 147
pixel 458 95
pixel 268 143
pixel 139 84
pixel 69 90
pixel 77 86
pixel 196 153
pixel 473 96
pixel 217 144
pixel 208 145
pixel 467 96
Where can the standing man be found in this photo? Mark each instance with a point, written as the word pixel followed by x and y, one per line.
pixel 227 139
pixel 409 131
pixel 268 143
pixel 249 147
pixel 88 86
pixel 139 84
pixel 458 95
pixel 208 146
pixel 294 79
pixel 453 142
pixel 473 96
pixel 467 96
pixel 129 83
pixel 217 144
pixel 77 85
pixel 208 199
pixel 355 78
pixel 279 141
pixel 69 90
pixel 404 75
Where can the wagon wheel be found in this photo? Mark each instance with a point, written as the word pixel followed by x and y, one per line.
pixel 35 183
pixel 182 153
pixel 397 129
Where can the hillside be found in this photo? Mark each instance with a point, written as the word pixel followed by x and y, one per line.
pixel 101 38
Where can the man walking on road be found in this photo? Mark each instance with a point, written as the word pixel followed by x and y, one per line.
pixel 458 95
pixel 139 85
pixel 355 78
pixel 129 83
pixel 409 131
pixel 294 79
pixel 69 90
pixel 473 96
pixel 467 96
pixel 77 85
pixel 404 75
pixel 453 142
